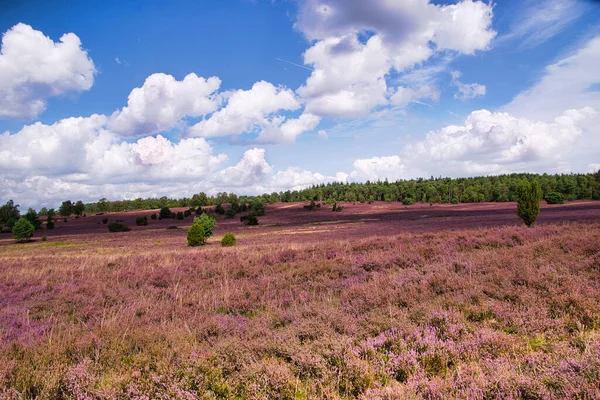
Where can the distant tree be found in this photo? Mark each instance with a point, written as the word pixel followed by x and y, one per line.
pixel 118 227
pixel 32 217
pixel 219 209
pixel 66 208
pixel 22 230
pixel 141 221
pixel 165 212
pixel 9 211
pixel 50 219
pixel 529 195
pixel 78 208
pixel 102 205
pixel 230 213
pixel 228 240
pixel 153 216
pixel 249 219
pixel 196 234
pixel 43 212
pixel 179 215
pixel 555 198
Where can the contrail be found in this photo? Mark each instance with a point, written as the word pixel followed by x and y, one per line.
pixel 293 63
pixel 421 103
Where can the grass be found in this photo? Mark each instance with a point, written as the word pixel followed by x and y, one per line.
pixel 476 313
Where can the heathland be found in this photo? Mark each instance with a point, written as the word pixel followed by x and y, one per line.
pixel 379 301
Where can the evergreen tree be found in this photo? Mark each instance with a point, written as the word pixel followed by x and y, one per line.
pixel 22 230
pixel 529 195
pixel 195 234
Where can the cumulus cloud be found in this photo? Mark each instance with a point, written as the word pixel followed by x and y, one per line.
pixel 162 101
pixel 487 143
pixel 466 90
pixel 594 167
pixel 358 44
pixel 33 67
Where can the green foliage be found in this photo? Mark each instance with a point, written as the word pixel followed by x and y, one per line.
pixel 141 221
pixel 104 220
pixel 407 201
pixel 153 216
pixel 8 212
pixel 172 227
pixel 66 208
pixel 179 215
pixel 49 222
pixel 208 223
pixel 228 240
pixel 230 213
pixel 337 208
pixel 22 230
pixel 249 219
pixel 454 200
pixel 118 227
pixel 196 234
pixel 219 209
pixel 529 195
pixel 555 198
pixel 78 208
pixel 187 213
pixel 311 206
pixel 32 217
pixel 165 212
pixel 44 238
pixel 65 219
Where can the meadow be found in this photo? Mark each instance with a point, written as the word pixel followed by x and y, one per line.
pixel 379 301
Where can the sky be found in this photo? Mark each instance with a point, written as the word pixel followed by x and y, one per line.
pixel 151 98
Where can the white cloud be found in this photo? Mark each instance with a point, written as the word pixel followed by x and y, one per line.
pixel 403 96
pixel 322 134
pixel 246 111
pixel 466 90
pixel 538 21
pixel 162 101
pixel 288 130
pixel 376 168
pixel 33 68
pixel 593 168
pixel 350 73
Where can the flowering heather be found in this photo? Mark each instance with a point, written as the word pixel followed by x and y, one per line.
pixel 495 312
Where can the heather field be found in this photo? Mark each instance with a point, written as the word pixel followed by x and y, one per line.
pixel 379 301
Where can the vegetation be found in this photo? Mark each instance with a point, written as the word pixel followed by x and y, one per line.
pixel 228 240
pixel 104 220
pixel 118 227
pixel 249 219
pixel 529 197
pixel 337 208
pixel 141 221
pixel 179 215
pixel 230 213
pixel 32 217
pixel 165 212
pixel 207 223
pixel 44 238
pixel 219 209
pixel 22 230
pixel 555 198
pixel 153 216
pixel 9 213
pixel 196 235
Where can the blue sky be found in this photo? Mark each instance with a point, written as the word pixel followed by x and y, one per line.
pixel 285 94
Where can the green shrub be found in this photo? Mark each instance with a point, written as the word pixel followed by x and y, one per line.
pixel 454 200
pixel 187 213
pixel 49 222
pixel 219 209
pixel 141 221
pixel 153 216
pixel 555 198
pixel 22 230
pixel 208 223
pixel 196 234
pixel 180 215
pixel 230 213
pixel 65 219
pixel 529 195
pixel 44 238
pixel 173 227
pixel 104 220
pixel 165 212
pixel 118 227
pixel 407 201
pixel 249 219
pixel 228 240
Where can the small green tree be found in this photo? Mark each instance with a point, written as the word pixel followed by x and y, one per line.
pixel 228 240
pixel 141 221
pixel 195 234
pixel 529 195
pixel 66 208
pixel 208 223
pixel 555 198
pixel 78 208
pixel 32 217
pixel 22 230
pixel 179 215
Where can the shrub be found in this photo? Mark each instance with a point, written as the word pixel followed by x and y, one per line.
pixel 219 209
pixel 249 219
pixel 104 220
pixel 199 211
pixel 529 195
pixel 179 215
pixel 196 234
pixel 230 213
pixel 311 206
pixel 118 227
pixel 407 201
pixel 208 223
pixel 141 221
pixel 555 198
pixel 49 222
pixel 228 240
pixel 22 230
pixel 337 208
pixel 454 200
pixel 65 219
pixel 173 227
pixel 187 213
pixel 44 238
pixel 165 212
pixel 153 216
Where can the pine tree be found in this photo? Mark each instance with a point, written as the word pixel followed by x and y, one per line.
pixel 22 230
pixel 529 195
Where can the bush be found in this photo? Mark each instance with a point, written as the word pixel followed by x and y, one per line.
pixel 187 213
pixel 219 209
pixel 454 200
pixel 173 227
pixel 44 238
pixel 118 227
pixel 65 219
pixel 165 212
pixel 555 198
pixel 49 222
pixel 104 220
pixel 337 208
pixel 153 216
pixel 228 240
pixel 407 201
pixel 208 223
pixel 529 195
pixel 249 219
pixel 179 215
pixel 196 234
pixel 141 221
pixel 22 230
pixel 311 206
pixel 230 213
